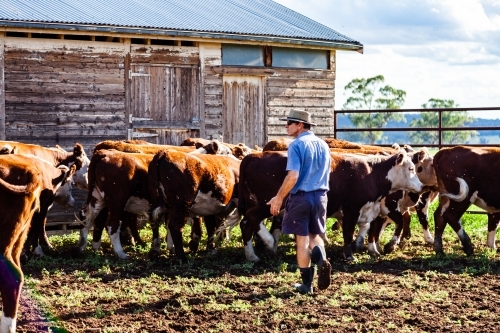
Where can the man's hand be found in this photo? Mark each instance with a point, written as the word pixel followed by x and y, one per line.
pixel 275 204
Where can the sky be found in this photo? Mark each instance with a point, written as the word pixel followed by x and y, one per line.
pixel 446 49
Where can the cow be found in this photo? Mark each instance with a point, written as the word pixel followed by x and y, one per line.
pixel 190 185
pixel 279 144
pixel 56 188
pixel 357 184
pixel 118 183
pixel 396 206
pixel 118 179
pixel 23 180
pixel 466 175
pixel 239 151
pixel 56 156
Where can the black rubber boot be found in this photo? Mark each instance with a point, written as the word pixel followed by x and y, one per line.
pixel 318 256
pixel 307 275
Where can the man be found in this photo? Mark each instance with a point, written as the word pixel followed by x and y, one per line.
pixel 308 169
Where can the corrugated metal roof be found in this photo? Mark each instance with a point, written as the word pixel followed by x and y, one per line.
pixel 241 17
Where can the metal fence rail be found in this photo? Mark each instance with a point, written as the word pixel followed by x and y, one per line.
pixel 439 128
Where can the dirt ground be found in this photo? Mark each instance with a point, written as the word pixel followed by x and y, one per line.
pixel 224 294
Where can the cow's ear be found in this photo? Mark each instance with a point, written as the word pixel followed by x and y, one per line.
pixel 198 145
pixel 216 147
pixel 400 158
pixel 421 155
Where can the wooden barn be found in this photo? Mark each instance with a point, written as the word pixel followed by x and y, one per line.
pixel 90 70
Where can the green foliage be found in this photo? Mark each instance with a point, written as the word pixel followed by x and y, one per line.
pixel 367 94
pixel 449 119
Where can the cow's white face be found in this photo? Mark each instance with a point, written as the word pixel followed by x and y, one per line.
pixel 80 178
pixel 63 194
pixel 425 169
pixel 402 175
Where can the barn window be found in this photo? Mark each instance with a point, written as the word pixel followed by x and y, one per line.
pixel 242 55
pixel 299 58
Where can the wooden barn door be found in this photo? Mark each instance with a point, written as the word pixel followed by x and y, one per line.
pixel 243 110
pixel 165 105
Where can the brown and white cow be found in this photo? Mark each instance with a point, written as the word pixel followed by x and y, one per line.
pixel 118 182
pixel 396 206
pixel 466 175
pixel 189 185
pixel 56 156
pixel 239 151
pixel 22 183
pixel 56 188
pixel 357 184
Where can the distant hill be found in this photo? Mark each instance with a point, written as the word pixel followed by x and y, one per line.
pixel 486 137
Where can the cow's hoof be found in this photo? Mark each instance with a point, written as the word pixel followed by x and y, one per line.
pixel 389 248
pixel 193 246
pixel 336 226
pixel 154 254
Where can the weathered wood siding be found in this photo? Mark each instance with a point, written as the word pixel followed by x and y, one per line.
pixel 285 89
pixel 165 88
pixel 243 110
pixel 210 55
pixel 64 91
pixel 2 86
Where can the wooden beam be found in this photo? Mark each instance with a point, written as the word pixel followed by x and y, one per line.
pixel 2 85
pixel 254 71
pixel 165 124
pixel 127 83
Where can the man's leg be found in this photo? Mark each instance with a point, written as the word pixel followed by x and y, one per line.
pixel 304 261
pixel 318 256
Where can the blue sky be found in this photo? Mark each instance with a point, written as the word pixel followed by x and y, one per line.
pixel 447 49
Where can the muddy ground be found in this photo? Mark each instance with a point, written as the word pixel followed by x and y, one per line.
pixel 411 290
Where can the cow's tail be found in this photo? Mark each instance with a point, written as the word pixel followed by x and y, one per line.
pixel 157 202
pixel 441 174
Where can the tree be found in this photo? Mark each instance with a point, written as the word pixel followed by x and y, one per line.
pixel 368 94
pixel 449 119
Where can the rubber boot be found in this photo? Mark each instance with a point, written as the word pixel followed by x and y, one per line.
pixel 318 256
pixel 307 275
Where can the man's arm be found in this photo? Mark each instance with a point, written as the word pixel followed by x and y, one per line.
pixel 289 182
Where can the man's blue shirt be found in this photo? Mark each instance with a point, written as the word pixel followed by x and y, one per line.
pixel 310 156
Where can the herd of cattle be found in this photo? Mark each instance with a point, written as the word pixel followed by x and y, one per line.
pixel 223 185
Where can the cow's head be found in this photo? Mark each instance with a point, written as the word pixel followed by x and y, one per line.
pixel 214 148
pixel 402 174
pixel 7 149
pixel 240 151
pixel 80 178
pixel 64 186
pixel 424 167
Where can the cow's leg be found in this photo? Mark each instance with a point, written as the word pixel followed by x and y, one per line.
pixel 88 214
pixel 113 226
pixel 99 225
pixel 175 225
pixel 276 225
pixel 493 221
pixel 450 211
pixel 11 281
pixel 359 242
pixel 133 223
pixel 196 233
pixel 211 224
pixel 422 210
pixel 397 218
pixel 376 228
pixel 253 222
pixel 406 225
pixel 348 226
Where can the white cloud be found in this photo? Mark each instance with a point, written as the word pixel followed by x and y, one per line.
pixel 448 49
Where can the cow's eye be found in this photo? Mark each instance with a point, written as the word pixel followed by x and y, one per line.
pixel 412 169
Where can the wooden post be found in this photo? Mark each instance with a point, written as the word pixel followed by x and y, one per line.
pixel 127 85
pixel 2 85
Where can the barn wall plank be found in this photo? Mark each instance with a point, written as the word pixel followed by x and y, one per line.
pixel 211 55
pixel 2 86
pixel 63 90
